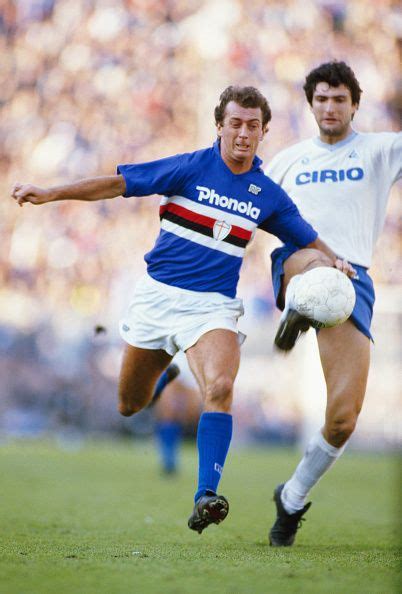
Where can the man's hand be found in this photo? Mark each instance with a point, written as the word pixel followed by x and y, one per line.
pixel 345 267
pixel 27 193
pixel 339 263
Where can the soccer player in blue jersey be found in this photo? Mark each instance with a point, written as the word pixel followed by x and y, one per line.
pixel 213 200
pixel 340 182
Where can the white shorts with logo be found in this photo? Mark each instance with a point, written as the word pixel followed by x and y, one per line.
pixel 164 317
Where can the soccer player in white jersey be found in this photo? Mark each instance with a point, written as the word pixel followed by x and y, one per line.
pixel 340 182
pixel 213 200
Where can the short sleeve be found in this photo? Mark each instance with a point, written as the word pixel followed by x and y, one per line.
pixel 163 176
pixel 392 151
pixel 287 224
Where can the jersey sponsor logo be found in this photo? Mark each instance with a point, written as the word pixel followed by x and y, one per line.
pixel 214 198
pixel 329 175
pixel 221 229
pixel 254 189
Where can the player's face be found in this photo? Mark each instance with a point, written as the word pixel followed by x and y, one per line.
pixel 240 135
pixel 333 110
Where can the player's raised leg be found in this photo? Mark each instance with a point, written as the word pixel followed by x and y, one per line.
pixel 292 323
pixel 139 373
pixel 345 357
pixel 301 261
pixel 214 360
pixel 315 290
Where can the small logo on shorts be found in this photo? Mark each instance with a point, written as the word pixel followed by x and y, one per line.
pixel 126 328
pixel 221 230
pixel 218 468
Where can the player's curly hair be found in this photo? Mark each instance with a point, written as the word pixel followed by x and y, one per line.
pixel 334 73
pixel 246 97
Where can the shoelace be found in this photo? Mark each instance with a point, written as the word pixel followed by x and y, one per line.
pixel 299 523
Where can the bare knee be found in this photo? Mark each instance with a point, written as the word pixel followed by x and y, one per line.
pixel 127 410
pixel 139 372
pixel 314 258
pixel 302 261
pixel 218 394
pixel 129 405
pixel 339 428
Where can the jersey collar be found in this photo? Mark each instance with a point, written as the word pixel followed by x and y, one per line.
pixel 333 147
pixel 257 162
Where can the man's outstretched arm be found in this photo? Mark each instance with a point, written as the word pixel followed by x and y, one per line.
pixel 91 189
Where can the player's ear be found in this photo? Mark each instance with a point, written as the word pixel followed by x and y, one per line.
pixel 264 131
pixel 219 130
pixel 355 107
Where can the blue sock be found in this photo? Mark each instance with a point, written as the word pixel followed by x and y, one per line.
pixel 160 385
pixel 170 373
pixel 213 441
pixel 168 435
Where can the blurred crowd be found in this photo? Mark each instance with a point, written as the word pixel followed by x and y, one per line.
pixel 88 84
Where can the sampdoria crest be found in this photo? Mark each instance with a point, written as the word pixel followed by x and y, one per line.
pixel 221 230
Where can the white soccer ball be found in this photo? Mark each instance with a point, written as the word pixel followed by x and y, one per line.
pixel 325 295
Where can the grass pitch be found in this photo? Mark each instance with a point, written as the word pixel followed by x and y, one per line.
pixel 101 520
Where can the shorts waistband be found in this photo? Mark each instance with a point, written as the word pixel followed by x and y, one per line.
pixel 365 268
pixel 173 290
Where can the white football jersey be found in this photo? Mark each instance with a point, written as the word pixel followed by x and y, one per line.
pixel 342 189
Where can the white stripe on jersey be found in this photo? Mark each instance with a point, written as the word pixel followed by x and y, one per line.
pixel 209 242
pixel 209 211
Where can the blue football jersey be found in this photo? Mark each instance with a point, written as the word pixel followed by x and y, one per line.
pixel 208 216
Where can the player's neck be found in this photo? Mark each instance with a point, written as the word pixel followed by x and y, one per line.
pixel 334 139
pixel 237 167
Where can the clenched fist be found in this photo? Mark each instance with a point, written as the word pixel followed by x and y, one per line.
pixel 28 193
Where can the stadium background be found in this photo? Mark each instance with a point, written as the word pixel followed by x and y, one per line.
pixel 85 85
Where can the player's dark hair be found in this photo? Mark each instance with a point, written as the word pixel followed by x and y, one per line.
pixel 333 73
pixel 245 97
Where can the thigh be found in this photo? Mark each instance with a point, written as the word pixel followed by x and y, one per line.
pixel 215 356
pixel 345 358
pixel 287 263
pixel 301 261
pixel 139 372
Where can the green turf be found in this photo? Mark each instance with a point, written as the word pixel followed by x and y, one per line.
pixel 100 520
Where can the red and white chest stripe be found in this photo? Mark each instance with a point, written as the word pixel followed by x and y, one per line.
pixel 206 225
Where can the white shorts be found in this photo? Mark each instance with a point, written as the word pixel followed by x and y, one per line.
pixel 164 317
